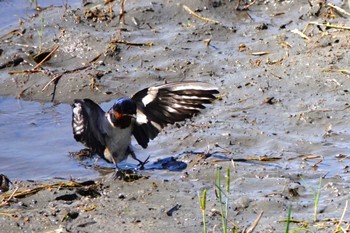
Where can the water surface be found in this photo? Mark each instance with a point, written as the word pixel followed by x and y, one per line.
pixel 36 140
pixel 11 11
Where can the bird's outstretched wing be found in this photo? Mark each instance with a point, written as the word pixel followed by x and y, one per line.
pixel 166 104
pixel 85 124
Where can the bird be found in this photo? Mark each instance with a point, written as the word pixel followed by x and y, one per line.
pixel 4 183
pixel 142 116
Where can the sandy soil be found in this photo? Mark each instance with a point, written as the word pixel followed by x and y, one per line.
pixel 279 102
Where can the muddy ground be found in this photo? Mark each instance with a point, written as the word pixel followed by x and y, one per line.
pixel 284 99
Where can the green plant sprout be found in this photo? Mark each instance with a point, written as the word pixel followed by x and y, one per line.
pixel 316 194
pixel 202 201
pixel 223 209
pixel 288 218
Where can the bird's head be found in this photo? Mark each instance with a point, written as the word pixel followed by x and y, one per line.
pixel 122 111
pixel 124 106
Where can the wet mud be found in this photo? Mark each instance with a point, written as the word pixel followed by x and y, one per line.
pixel 282 114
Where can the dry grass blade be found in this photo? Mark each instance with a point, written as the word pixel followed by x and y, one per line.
pixel 116 40
pixel 342 71
pixel 25 72
pixel 255 223
pixel 8 214
pixel 263 159
pixel 9 198
pixel 259 159
pixel 15 32
pixel 245 7
pixel 111 12
pixel 327 25
pixel 342 11
pixel 337 228
pixel 49 55
pixel 302 34
pixel 342 157
pixel 35 69
pixel 309 157
pixel 262 53
pixel 315 165
pixel 244 108
pixel 26 192
pixel 304 31
pixel 207 42
pixel 56 78
pixel 122 12
pixel 95 58
pixel 191 12
pixel 90 208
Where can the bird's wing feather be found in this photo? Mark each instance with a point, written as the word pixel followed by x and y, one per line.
pixel 86 129
pixel 166 104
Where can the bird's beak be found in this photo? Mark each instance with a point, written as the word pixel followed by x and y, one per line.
pixel 117 114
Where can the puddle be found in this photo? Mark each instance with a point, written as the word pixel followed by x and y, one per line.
pixel 36 140
pixel 13 10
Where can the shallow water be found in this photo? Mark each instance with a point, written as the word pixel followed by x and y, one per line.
pixel 36 140
pixel 12 10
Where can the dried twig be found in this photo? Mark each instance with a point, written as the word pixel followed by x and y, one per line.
pixel 302 34
pixel 120 41
pixel 309 157
pixel 111 13
pixel 260 53
pixel 247 160
pixel 245 7
pixel 328 25
pixel 342 71
pixel 207 42
pixel 35 69
pixel 26 192
pixel 25 72
pixel 222 158
pixel 337 228
pixel 122 12
pixel 95 58
pixel 47 57
pixel 58 77
pixel 54 79
pixel 9 198
pixel 255 223
pixel 338 9
pixel 191 12
pixel 8 214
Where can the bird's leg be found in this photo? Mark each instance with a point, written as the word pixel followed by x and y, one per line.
pixel 125 175
pixel 141 163
pixel 118 174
